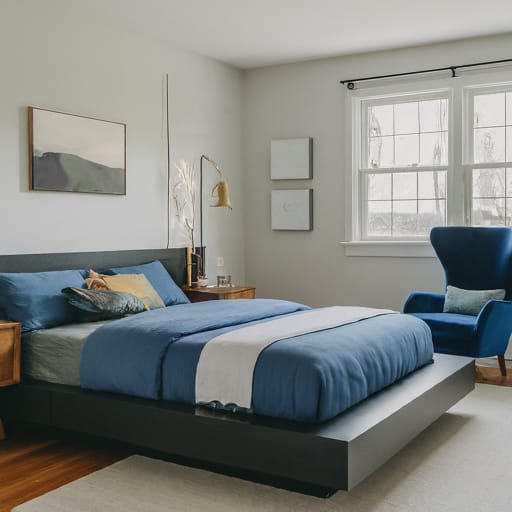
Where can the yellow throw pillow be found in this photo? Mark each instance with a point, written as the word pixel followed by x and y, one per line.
pixel 136 284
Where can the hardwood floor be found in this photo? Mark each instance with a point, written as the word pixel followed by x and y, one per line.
pixel 489 373
pixel 31 465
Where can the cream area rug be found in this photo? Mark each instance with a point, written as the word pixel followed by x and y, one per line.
pixel 461 463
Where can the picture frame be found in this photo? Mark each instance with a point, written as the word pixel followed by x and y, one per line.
pixel 291 159
pixel 292 210
pixel 75 153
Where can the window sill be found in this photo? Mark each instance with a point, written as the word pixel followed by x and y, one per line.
pixel 389 249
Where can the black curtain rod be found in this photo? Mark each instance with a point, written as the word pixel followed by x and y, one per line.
pixel 351 83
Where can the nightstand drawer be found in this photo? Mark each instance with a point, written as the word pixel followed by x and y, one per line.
pixel 219 293
pixel 10 338
pixel 244 294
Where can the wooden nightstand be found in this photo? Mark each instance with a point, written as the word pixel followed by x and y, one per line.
pixel 219 293
pixel 10 349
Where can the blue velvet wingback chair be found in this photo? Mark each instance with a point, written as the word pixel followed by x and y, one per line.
pixel 474 259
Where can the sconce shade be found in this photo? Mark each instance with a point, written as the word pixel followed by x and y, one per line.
pixel 221 192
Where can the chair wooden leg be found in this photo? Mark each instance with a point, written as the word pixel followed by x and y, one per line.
pixel 503 366
pixel 2 431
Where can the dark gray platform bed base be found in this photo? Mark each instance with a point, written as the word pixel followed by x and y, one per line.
pixel 311 458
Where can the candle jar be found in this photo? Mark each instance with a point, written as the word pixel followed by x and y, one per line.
pixel 224 280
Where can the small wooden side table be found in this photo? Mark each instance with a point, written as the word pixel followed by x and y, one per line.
pixel 10 352
pixel 219 293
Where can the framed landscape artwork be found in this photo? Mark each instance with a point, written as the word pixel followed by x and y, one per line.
pixel 72 153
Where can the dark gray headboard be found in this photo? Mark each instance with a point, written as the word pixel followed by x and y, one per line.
pixel 174 260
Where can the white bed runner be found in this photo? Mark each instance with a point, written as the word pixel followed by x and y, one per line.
pixel 226 365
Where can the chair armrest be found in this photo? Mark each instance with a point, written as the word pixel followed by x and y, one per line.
pixel 423 302
pixel 494 327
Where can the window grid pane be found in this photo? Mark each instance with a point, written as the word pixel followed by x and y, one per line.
pixel 489 110
pixel 406 204
pixel 407 134
pixel 491 197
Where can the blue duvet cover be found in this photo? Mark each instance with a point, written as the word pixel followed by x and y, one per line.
pixel 312 377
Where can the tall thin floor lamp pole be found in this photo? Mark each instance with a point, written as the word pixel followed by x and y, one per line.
pixel 220 190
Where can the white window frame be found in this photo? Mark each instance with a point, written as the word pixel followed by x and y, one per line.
pixel 469 165
pixel 458 186
pixel 363 168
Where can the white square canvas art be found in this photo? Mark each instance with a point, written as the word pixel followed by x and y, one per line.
pixel 291 159
pixel 292 210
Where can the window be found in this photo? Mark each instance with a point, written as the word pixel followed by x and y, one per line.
pixel 404 165
pixel 424 158
pixel 490 143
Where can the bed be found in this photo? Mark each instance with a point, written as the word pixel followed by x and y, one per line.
pixel 307 445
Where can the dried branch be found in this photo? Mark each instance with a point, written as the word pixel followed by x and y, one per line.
pixel 183 193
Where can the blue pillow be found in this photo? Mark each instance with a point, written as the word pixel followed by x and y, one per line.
pixel 159 278
pixel 35 298
pixel 469 302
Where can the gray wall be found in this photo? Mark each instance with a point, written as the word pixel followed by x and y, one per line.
pixel 54 56
pixel 305 99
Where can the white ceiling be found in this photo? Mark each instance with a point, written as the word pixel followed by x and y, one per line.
pixel 252 33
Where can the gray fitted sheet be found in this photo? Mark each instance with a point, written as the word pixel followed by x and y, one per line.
pixel 53 355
